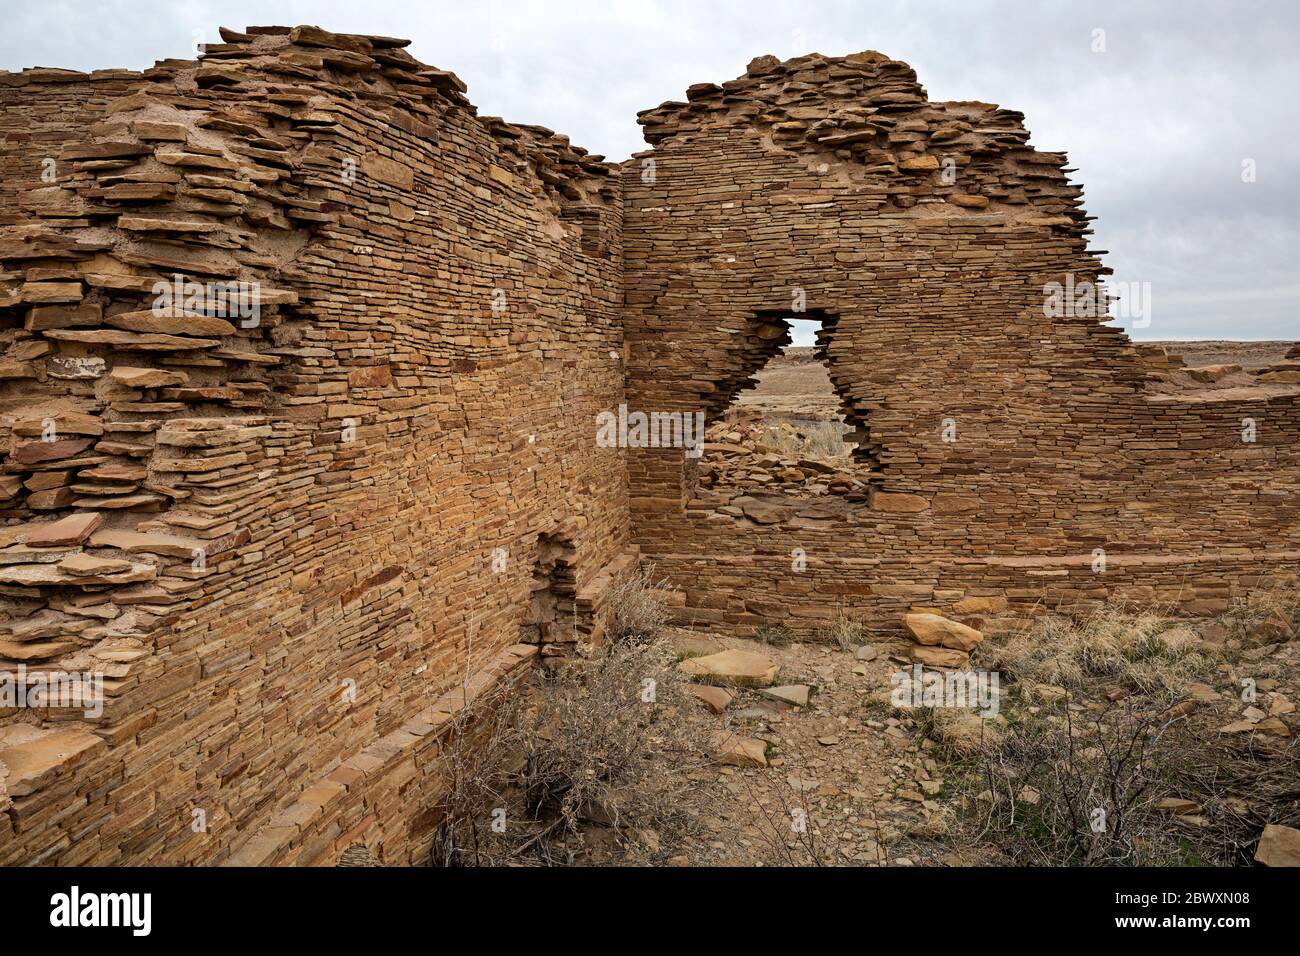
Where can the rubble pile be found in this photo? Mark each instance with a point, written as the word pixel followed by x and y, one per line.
pixel 749 451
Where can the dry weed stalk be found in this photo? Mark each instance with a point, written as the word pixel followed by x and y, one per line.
pixel 845 632
pixel 608 741
pixel 820 440
pixel 789 835
pixel 1279 600
pixel 635 608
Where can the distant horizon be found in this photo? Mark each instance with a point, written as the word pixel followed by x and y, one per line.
pixel 807 339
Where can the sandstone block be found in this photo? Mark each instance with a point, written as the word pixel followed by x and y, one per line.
pixel 736 751
pixel 934 630
pixel 898 503
pixel 1278 846
pixel 732 667
pixel 938 656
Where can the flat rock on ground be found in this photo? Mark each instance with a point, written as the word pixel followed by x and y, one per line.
pixel 1279 846
pixel 715 698
pixel 793 694
pixel 736 668
pixel 849 790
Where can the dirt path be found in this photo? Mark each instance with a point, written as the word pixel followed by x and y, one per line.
pixel 869 793
pixel 866 781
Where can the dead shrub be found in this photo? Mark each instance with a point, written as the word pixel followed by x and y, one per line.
pixel 1062 790
pixel 635 607
pixel 788 831
pixel 1129 786
pixel 774 635
pixel 605 742
pixel 846 632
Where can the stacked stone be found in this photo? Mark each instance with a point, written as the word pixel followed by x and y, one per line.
pixel 992 427
pixel 297 548
pixel 868 109
pixel 282 533
pixel 737 457
pixel 1156 359
pixel 159 195
pixel 394 778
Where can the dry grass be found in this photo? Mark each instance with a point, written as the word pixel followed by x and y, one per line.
pixel 635 608
pixel 1256 619
pixel 1098 736
pixel 605 742
pixel 806 439
pixel 1138 650
pixel 847 632
pixel 774 635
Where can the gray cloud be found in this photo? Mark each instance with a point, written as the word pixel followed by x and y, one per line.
pixel 1157 125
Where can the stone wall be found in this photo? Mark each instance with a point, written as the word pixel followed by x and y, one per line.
pixel 298 540
pixel 287 542
pixel 1001 446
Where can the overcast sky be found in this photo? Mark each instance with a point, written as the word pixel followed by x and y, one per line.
pixel 1158 124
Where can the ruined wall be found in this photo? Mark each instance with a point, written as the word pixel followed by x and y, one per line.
pixel 297 542
pixel 925 234
pixel 293 544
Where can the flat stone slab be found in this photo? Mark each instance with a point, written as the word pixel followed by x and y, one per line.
pixel 44 625
pixel 734 668
pixel 34 763
pixel 46 575
pixel 794 694
pixel 137 542
pixel 35 650
pixel 1279 846
pixel 133 377
pixel 938 656
pixel 732 750
pixel 65 532
pixel 715 698
pixel 88 564
pixel 693 645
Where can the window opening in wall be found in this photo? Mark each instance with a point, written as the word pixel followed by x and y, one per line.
pixel 787 432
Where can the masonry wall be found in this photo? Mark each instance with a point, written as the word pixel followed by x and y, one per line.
pixel 820 183
pixel 296 546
